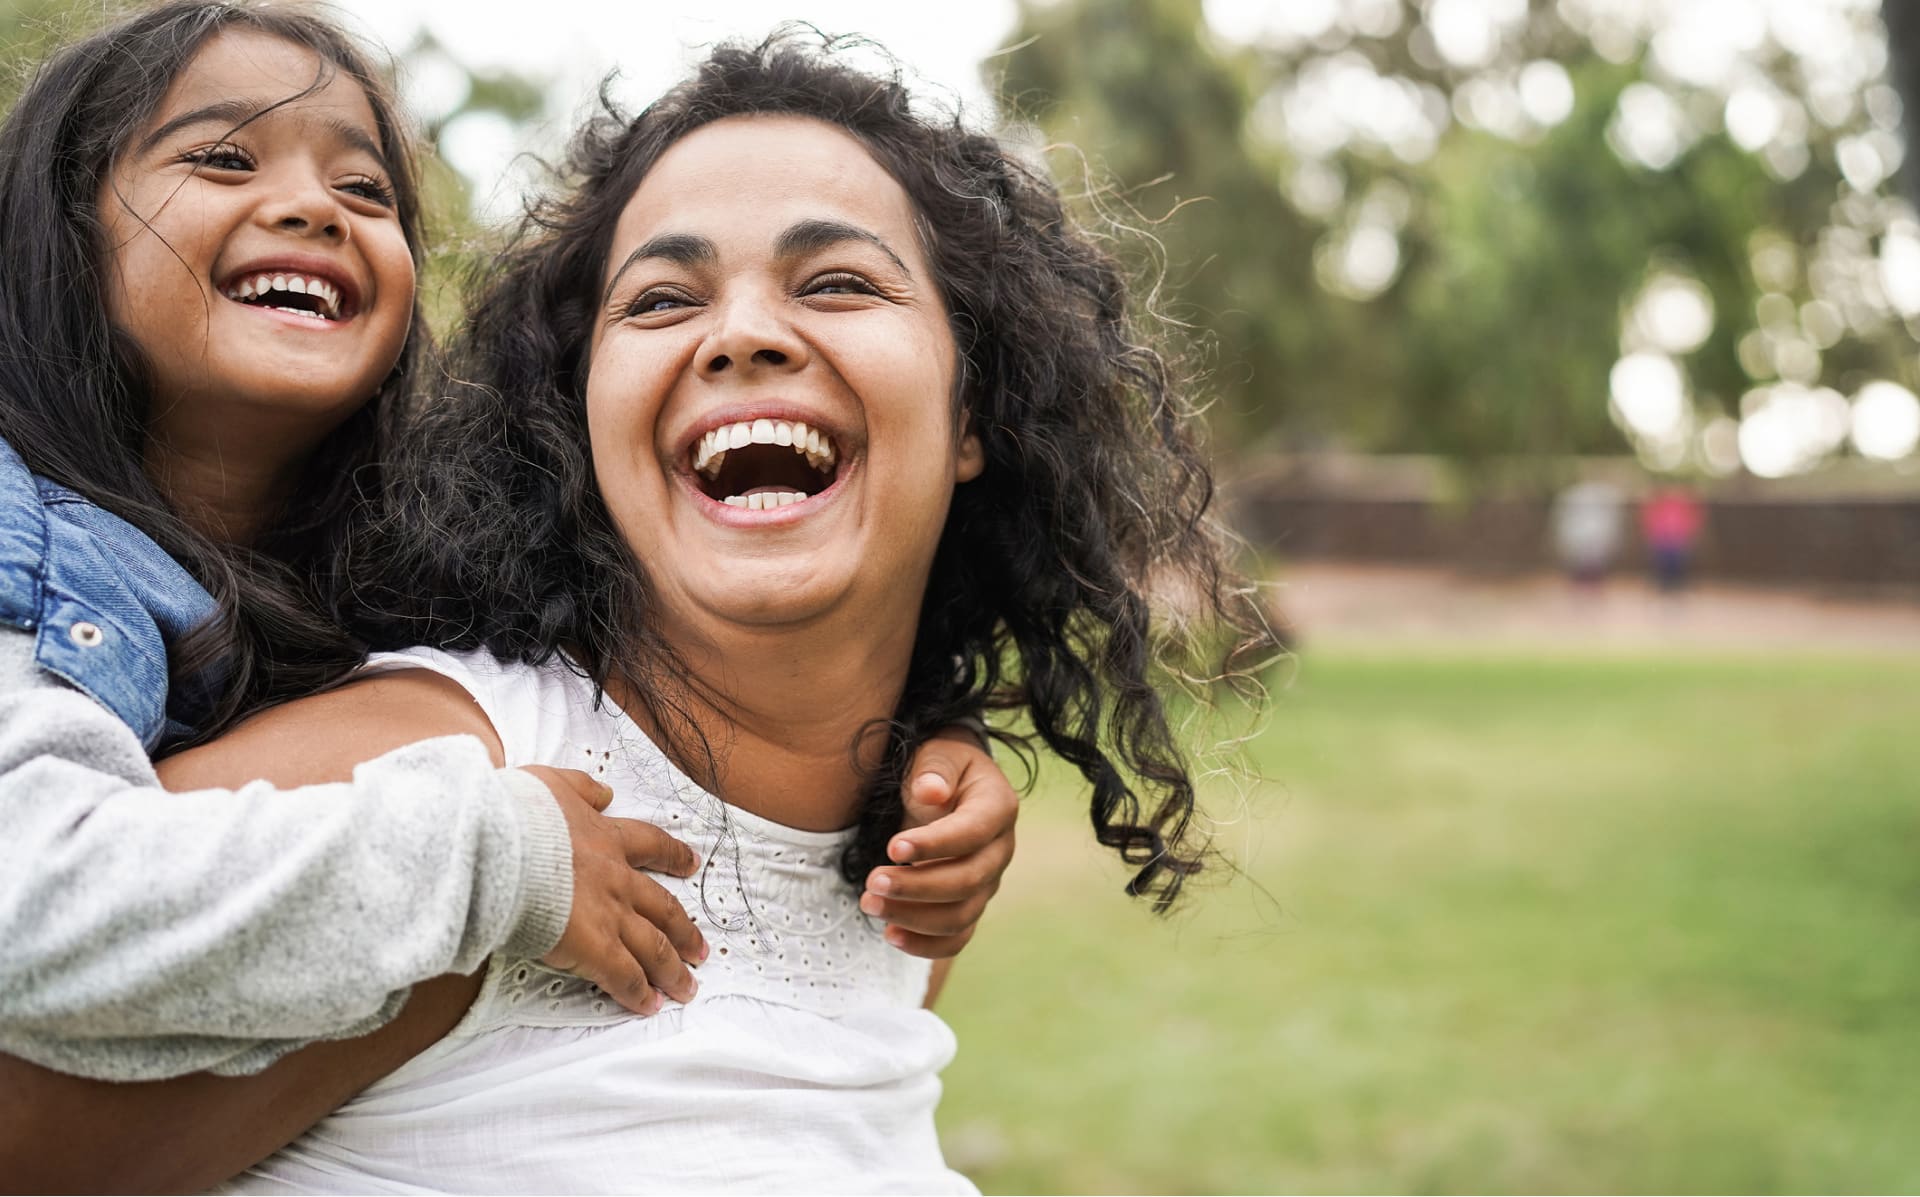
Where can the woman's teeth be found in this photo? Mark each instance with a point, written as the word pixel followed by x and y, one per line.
pixel 321 299
pixel 711 453
pixel 764 500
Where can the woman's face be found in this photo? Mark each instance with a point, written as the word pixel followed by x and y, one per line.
pixel 771 397
pixel 252 249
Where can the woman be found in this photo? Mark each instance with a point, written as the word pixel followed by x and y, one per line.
pixel 211 272
pixel 804 420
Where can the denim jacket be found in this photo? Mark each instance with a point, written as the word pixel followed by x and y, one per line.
pixel 103 601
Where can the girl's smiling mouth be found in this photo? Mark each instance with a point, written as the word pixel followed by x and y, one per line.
pixel 762 464
pixel 303 291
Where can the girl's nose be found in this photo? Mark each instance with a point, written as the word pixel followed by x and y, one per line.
pixel 308 209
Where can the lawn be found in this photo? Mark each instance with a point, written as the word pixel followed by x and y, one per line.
pixel 1507 925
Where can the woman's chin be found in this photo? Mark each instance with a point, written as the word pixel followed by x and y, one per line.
pixel 763 593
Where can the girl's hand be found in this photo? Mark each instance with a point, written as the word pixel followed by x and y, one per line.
pixel 626 933
pixel 956 842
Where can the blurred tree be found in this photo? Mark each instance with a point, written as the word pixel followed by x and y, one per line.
pixel 1443 227
pixel 1902 19
pixel 1136 80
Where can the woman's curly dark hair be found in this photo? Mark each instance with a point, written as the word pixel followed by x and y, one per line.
pixel 1093 491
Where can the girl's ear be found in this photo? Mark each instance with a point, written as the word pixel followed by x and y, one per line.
pixel 969 456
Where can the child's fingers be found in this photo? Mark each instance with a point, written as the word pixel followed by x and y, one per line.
pixel 648 847
pixel 979 817
pixel 625 981
pixel 946 880
pixel 665 970
pixel 572 782
pixel 933 779
pixel 927 918
pixel 652 905
pixel 930 947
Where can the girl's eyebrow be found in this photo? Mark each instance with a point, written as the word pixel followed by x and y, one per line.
pixel 803 237
pixel 236 112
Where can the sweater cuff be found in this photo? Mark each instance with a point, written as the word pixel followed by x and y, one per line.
pixel 546 868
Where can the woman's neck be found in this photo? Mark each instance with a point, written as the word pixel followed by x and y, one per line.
pixel 784 737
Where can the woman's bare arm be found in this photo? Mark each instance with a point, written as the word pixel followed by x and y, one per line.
pixel 65 1134
pixel 322 738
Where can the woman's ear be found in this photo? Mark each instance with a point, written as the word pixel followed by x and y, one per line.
pixel 969 456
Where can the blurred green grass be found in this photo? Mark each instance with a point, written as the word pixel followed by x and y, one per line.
pixel 1535 925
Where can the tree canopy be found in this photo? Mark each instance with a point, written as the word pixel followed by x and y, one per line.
pixel 1484 228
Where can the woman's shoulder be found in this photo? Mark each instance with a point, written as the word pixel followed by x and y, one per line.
pixel 534 708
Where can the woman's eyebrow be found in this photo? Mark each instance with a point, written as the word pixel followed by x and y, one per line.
pixel 809 236
pixel 682 249
pixel 801 238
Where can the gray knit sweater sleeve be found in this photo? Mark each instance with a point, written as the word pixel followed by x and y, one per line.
pixel 146 934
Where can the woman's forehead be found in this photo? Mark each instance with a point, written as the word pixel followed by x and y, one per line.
pixel 745 179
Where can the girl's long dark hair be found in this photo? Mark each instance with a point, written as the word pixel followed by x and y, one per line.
pixel 73 389
pixel 1092 492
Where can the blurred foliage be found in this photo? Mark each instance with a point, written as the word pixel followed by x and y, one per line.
pixel 32 29
pixel 1519 251
pixel 1467 294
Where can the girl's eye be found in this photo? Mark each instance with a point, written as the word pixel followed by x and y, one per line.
pixel 219 157
pixel 369 188
pixel 839 283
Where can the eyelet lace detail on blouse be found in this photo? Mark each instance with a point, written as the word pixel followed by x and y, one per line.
pixel 781 924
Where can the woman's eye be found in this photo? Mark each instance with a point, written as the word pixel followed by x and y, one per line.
pixel 839 284
pixel 656 301
pixel 220 157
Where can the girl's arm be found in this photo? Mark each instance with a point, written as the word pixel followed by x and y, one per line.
pixel 147 934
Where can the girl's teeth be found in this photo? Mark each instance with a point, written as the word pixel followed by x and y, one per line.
pixel 259 286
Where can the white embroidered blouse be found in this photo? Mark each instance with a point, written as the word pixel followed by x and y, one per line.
pixel 804 1064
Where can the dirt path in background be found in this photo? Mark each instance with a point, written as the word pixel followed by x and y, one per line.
pixel 1401 607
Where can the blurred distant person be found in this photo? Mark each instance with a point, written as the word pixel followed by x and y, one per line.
pixel 1587 529
pixel 1670 521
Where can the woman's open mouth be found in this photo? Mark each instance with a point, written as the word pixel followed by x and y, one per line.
pixel 763 464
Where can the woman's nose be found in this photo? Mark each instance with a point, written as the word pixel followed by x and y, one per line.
pixel 753 334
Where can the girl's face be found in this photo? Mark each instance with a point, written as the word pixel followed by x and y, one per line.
pixel 771 393
pixel 253 251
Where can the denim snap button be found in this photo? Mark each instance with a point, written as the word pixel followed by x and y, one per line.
pixel 86 635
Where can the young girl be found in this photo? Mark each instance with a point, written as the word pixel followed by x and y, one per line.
pixel 796 395
pixel 207 325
